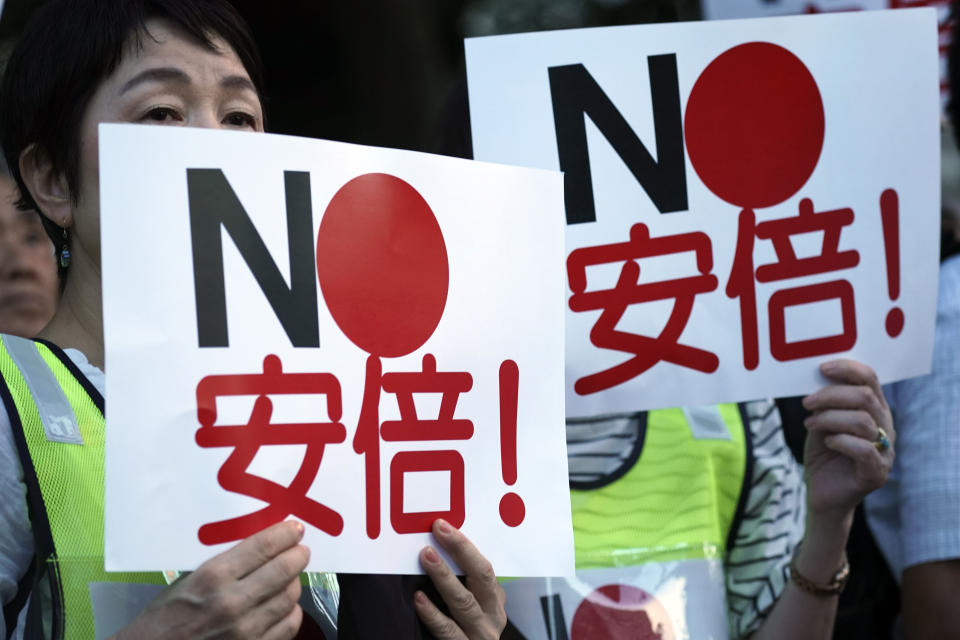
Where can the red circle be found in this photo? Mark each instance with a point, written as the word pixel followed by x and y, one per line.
pixel 754 125
pixel 382 265
pixel 512 510
pixel 895 322
pixel 617 611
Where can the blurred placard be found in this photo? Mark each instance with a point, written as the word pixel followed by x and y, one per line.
pixel 745 199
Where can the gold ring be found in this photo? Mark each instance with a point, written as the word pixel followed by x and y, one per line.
pixel 881 442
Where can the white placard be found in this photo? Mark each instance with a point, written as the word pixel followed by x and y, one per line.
pixel 727 9
pixel 222 404
pixel 700 136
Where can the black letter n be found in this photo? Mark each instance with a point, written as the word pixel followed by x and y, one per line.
pixel 214 204
pixel 575 93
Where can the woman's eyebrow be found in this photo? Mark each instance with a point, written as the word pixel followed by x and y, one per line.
pixel 238 82
pixel 167 74
pixel 157 74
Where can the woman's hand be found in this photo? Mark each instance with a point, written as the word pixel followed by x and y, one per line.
pixel 842 463
pixel 248 591
pixel 844 458
pixel 477 608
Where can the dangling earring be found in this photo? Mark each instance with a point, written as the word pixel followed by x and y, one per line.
pixel 65 251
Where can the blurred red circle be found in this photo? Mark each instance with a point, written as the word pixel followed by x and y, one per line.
pixel 616 611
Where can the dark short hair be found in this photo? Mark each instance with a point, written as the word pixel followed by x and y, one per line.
pixel 70 47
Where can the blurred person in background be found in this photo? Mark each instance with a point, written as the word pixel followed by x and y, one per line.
pixel 915 518
pixel 706 506
pixel 28 267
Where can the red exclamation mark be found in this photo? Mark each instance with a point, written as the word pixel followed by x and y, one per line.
pixel 890 216
pixel 512 510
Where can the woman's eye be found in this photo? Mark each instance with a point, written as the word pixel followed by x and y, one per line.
pixel 34 238
pixel 161 114
pixel 240 119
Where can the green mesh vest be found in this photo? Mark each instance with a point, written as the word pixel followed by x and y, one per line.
pixel 650 537
pixel 65 486
pixel 676 503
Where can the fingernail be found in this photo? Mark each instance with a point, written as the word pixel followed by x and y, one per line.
pixel 807 402
pixel 431 555
pixel 300 529
pixel 807 422
pixel 444 527
pixel 420 598
pixel 828 367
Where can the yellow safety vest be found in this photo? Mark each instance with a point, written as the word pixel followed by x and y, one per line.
pixel 63 459
pixel 650 542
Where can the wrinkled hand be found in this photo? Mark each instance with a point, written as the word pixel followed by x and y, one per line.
pixel 248 591
pixel 841 462
pixel 478 608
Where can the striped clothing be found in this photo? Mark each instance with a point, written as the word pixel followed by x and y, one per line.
pixel 772 523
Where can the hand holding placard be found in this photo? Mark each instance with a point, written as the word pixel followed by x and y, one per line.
pixel 249 591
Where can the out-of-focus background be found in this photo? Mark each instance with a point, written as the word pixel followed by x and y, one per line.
pixel 380 72
pixel 391 73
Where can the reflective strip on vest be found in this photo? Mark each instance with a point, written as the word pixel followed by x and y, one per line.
pixel 71 482
pixel 649 545
pixel 56 414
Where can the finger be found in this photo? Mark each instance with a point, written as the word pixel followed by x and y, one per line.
pixel 439 625
pixel 287 627
pixel 853 372
pixel 871 465
pixel 259 548
pixel 850 397
pixel 462 604
pixel 253 620
pixel 481 578
pixel 275 575
pixel 856 423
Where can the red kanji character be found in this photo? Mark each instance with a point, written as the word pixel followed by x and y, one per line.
pixel 247 440
pixel 413 461
pixel 409 428
pixel 742 283
pixel 646 351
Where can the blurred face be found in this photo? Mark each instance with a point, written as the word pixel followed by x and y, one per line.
pixel 173 81
pixel 28 271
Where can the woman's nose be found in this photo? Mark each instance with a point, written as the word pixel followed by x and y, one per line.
pixel 205 119
pixel 11 259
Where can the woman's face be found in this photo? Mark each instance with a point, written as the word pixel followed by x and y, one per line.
pixel 28 270
pixel 174 81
